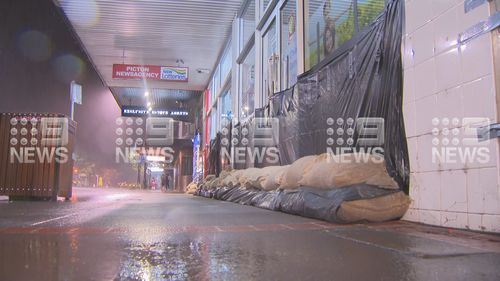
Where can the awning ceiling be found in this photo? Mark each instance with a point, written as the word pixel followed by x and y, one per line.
pixel 152 32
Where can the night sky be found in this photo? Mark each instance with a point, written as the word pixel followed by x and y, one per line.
pixel 39 57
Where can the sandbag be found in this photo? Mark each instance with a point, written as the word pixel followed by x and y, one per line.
pixel 337 171
pixel 230 182
pixel 274 180
pixel 209 178
pixel 237 174
pixel 379 209
pixel 257 178
pixel 245 174
pixel 214 183
pixel 297 170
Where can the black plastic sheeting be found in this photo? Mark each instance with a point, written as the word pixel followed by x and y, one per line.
pixel 364 81
pixel 364 78
pixel 304 201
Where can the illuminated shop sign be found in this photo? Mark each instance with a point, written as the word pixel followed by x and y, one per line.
pixel 138 111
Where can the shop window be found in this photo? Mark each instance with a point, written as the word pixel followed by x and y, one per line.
pixel 270 62
pixel 216 82
pixel 368 10
pixel 187 166
pixel 329 24
pixel 289 58
pixel 213 121
pixel 248 21
pixel 225 109
pixel 226 62
pixel 248 84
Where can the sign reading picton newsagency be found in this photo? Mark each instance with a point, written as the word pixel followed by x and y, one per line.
pixel 150 72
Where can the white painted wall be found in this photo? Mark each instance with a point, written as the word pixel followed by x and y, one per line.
pixel 445 80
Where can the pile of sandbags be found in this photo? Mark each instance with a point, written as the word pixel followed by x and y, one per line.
pixel 191 188
pixel 325 172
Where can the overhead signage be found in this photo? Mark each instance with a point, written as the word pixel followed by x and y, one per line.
pixel 151 72
pixel 141 111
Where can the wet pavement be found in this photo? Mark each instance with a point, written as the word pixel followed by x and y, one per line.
pixel 121 235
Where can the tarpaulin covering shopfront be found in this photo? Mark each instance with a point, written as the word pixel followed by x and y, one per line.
pixel 350 102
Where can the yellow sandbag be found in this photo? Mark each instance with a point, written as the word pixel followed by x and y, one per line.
pixel 337 171
pixel 383 208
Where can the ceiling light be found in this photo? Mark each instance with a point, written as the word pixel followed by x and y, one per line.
pixel 146 93
pixel 149 104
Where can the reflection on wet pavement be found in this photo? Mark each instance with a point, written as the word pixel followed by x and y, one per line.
pixel 108 236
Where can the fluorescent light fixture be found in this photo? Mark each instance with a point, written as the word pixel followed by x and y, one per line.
pixel 156 169
pixel 156 158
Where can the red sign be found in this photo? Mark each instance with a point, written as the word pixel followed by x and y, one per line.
pixel 150 72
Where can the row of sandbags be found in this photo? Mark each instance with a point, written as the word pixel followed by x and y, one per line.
pixel 324 172
pixel 191 188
